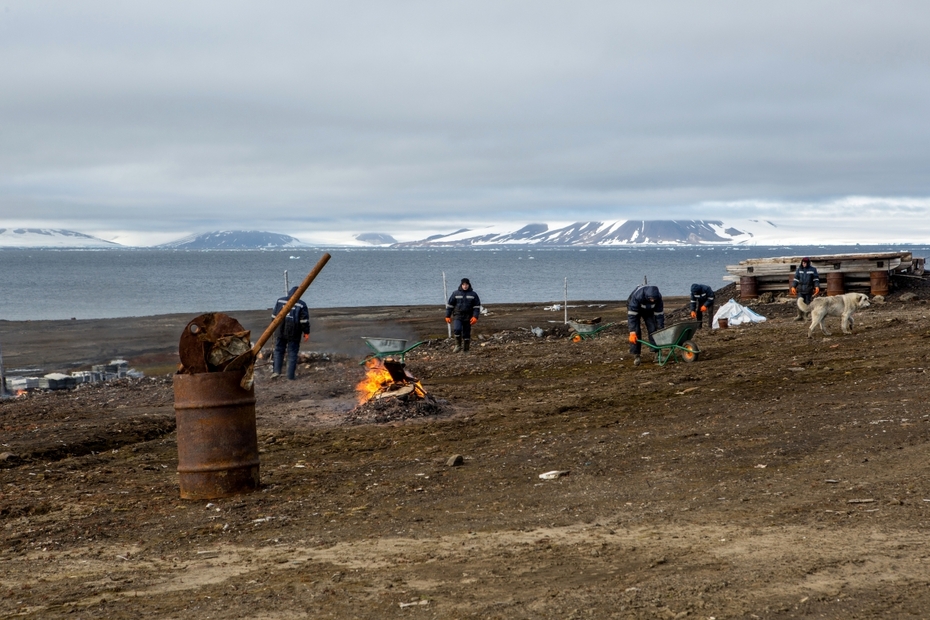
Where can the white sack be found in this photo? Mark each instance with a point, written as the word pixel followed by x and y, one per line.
pixel 736 314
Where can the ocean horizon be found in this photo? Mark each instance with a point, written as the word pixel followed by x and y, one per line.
pixel 52 284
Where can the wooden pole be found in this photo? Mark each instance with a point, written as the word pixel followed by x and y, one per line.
pixel 445 300
pixel 290 304
pixel 3 392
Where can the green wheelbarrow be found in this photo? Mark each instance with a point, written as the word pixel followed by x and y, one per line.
pixel 388 347
pixel 583 331
pixel 675 341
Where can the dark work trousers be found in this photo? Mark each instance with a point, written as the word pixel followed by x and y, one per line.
pixel 699 316
pixel 462 327
pixel 281 346
pixel 651 326
pixel 807 297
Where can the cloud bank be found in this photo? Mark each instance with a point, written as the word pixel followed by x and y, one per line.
pixel 148 122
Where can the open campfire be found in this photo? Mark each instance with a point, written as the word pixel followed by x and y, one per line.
pixel 390 392
pixel 388 378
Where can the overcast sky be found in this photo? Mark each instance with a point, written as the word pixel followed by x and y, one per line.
pixel 143 122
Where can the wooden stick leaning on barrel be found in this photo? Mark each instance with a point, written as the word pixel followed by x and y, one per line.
pixel 247 360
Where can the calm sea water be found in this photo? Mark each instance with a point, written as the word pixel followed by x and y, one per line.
pixel 60 284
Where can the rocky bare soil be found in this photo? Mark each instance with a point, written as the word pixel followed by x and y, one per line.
pixel 778 476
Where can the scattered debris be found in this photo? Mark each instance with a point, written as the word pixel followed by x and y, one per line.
pixel 555 473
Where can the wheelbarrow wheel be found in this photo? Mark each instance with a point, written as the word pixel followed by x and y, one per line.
pixel 576 338
pixel 690 352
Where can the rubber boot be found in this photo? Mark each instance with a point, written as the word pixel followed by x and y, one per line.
pixel 637 360
pixel 458 344
pixel 800 316
pixel 465 344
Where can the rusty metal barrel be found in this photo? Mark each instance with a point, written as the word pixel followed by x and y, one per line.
pixel 836 283
pixel 217 438
pixel 878 282
pixel 747 287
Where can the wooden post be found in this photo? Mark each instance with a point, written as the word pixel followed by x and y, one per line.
pixel 3 392
pixel 445 300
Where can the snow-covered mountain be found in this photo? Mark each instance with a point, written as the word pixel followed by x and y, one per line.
pixel 234 240
pixel 622 232
pixel 372 238
pixel 50 238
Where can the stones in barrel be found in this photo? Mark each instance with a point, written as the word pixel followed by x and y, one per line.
pixel 214 402
pixel 217 437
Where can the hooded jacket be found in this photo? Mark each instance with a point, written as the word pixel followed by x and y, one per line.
pixel 463 304
pixel 806 279
pixel 297 321
pixel 639 305
pixel 701 295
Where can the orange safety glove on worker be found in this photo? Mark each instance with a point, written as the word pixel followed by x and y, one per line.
pixel 703 308
pixel 448 319
pixel 816 291
pixel 693 314
pixel 632 337
pixel 794 291
pixel 306 337
pixel 472 321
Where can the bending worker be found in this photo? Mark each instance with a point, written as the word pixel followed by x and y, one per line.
pixel 287 341
pixel 462 311
pixel 702 302
pixel 806 284
pixel 645 303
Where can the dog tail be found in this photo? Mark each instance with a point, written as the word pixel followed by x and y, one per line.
pixel 803 306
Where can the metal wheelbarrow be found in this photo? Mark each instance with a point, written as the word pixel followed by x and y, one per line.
pixel 388 347
pixel 675 341
pixel 583 331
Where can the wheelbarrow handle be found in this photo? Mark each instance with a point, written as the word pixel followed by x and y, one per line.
pixel 290 304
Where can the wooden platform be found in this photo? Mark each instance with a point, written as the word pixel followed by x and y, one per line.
pixel 844 272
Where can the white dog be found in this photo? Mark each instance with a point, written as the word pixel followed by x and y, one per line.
pixel 839 305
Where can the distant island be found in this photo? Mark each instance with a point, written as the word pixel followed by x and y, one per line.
pixel 619 233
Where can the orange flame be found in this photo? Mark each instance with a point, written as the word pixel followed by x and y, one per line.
pixel 376 378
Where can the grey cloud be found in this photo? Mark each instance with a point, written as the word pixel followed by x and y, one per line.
pixel 347 112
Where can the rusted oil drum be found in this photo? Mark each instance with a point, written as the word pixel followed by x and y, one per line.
pixel 836 283
pixel 217 440
pixel 878 282
pixel 747 287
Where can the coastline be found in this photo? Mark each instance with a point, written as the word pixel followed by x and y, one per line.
pixel 150 343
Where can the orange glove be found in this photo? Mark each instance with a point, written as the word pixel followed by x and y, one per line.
pixel 448 319
pixel 703 308
pixel 693 314
pixel 794 291
pixel 816 291
pixel 472 321
pixel 306 337
pixel 633 338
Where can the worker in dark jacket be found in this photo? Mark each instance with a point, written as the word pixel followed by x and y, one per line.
pixel 462 311
pixel 702 302
pixel 806 284
pixel 287 338
pixel 645 303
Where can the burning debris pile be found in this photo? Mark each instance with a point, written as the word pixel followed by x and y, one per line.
pixel 389 392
